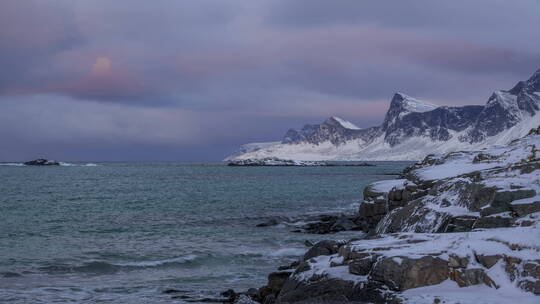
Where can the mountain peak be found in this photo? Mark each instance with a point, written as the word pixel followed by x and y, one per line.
pixel 410 104
pixel 341 122
pixel 530 85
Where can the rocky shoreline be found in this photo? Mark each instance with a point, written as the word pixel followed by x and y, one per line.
pixel 457 228
pixel 278 162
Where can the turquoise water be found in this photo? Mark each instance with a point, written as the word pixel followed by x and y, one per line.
pixel 125 232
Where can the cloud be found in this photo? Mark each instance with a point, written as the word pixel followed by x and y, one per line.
pixel 142 74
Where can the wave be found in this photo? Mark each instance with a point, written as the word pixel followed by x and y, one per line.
pixel 78 165
pixel 288 252
pixel 12 164
pixel 101 267
pixel 179 260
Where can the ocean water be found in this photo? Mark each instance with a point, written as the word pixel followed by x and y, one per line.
pixel 125 232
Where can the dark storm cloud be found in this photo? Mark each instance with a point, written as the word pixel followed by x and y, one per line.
pixel 202 73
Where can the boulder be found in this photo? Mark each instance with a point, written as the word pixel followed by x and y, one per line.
pixel 277 279
pixel 468 277
pixel 402 273
pixel 494 222
pixel 488 260
pixel 362 263
pixel 325 247
pixel 524 209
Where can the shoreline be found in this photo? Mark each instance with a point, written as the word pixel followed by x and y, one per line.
pixel 464 219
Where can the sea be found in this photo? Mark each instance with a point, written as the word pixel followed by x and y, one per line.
pixel 126 232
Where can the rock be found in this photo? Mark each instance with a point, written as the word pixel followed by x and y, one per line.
pixel 270 222
pixel 502 199
pixel 530 286
pixel 488 260
pixel 531 273
pixel 455 261
pixel 511 267
pixel 402 273
pixel 525 209
pixel 42 162
pixel 493 222
pixel 343 223
pixel 459 224
pixel 277 279
pixel 272 161
pixel 290 266
pixel 468 277
pixel 317 291
pixel 325 247
pixel 362 263
pixel 308 243
pixel 171 291
pixel 244 299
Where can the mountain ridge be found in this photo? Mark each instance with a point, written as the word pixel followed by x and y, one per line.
pixel 412 129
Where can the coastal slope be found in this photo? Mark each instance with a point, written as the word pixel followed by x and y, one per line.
pixel 462 227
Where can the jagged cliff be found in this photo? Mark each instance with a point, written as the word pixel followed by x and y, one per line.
pixel 412 129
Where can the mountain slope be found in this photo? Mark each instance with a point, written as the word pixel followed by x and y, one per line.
pixel 412 129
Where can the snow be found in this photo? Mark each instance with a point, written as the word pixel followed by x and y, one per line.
pixel 346 124
pixel 449 292
pixel 387 185
pixel 414 105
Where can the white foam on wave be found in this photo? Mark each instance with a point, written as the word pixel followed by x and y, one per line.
pixel 12 164
pixel 288 252
pixel 78 165
pixel 189 257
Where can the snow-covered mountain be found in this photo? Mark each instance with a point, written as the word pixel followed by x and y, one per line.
pixel 412 129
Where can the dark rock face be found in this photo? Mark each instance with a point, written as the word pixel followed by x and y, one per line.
pixel 503 110
pixel 325 247
pixel 330 130
pixel 405 273
pixel 42 162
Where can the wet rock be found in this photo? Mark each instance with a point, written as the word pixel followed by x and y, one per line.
pixel 290 266
pixel 343 223
pixel 270 222
pixel 42 162
pixel 172 291
pixel 277 279
pixel 325 247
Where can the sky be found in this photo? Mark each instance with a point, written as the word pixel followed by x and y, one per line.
pixel 191 80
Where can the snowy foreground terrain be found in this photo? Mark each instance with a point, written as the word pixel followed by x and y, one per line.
pixel 463 227
pixel 411 129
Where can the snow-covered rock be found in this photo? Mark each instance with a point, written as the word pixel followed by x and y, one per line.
pixel 463 227
pixel 273 161
pixel 412 129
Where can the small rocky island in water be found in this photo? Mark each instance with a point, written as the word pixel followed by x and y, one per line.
pixel 278 162
pixel 41 162
pixel 457 228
